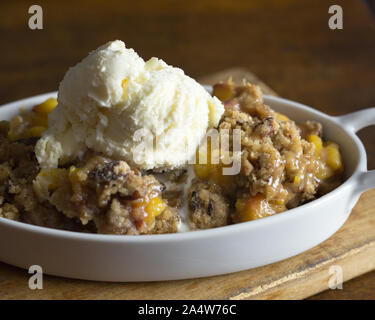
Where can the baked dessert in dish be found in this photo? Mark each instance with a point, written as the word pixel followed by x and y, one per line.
pixel 80 163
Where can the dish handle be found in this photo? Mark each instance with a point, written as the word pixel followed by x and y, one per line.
pixel 366 181
pixel 354 122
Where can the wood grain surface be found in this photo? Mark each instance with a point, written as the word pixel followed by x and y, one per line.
pixel 286 43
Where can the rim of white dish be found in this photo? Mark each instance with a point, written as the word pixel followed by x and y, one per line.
pixel 350 181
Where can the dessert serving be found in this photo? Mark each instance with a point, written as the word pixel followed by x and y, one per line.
pixel 133 147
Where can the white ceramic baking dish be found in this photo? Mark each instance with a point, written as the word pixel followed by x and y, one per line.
pixel 200 253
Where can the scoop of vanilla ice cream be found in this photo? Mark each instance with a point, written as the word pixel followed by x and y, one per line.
pixel 149 114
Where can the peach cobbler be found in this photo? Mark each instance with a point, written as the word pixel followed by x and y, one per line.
pixel 137 147
pixel 283 165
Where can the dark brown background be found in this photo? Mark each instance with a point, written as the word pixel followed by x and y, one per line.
pixel 286 43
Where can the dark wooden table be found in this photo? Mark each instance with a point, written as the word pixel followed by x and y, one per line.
pixel 286 43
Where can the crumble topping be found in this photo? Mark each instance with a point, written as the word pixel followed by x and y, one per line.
pixel 283 165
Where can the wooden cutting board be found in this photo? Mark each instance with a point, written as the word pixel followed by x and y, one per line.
pixel 352 248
